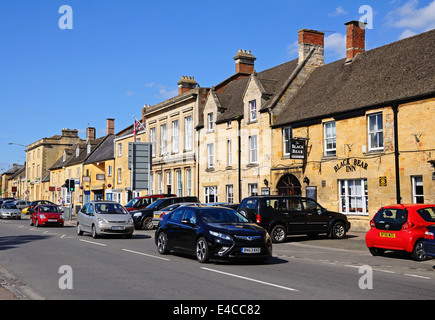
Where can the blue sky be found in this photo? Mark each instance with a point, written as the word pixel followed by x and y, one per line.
pixel 121 55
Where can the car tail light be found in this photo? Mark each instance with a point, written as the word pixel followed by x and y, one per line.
pixel 429 235
pixel 408 225
pixel 372 224
pixel 258 218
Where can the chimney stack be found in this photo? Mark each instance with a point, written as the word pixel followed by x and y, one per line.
pixel 245 62
pixel 90 134
pixel 309 40
pixel 110 126
pixel 356 39
pixel 186 84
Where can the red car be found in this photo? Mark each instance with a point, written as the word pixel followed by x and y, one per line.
pixel 400 228
pixel 46 215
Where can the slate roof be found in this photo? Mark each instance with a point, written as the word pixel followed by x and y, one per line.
pixel 104 151
pixel 271 80
pixel 401 71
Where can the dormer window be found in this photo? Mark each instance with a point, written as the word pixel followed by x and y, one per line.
pixel 210 122
pixel 88 149
pixel 77 152
pixel 253 111
pixel 64 157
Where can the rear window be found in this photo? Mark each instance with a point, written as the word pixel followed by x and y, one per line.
pixel 428 214
pixel 392 219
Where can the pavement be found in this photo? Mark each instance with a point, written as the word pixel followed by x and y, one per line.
pixel 353 241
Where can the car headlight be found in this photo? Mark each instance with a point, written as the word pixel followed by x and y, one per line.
pixel 42 216
pixel 61 216
pixel 138 214
pixel 221 235
pixel 130 220
pixel 101 220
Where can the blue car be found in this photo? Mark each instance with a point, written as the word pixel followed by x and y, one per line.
pixel 429 241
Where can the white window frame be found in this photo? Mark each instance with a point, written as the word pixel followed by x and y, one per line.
pixel 286 138
pixel 160 183
pixel 253 149
pixel 330 139
pixel 253 189
pixel 210 192
pixel 375 132
pixel 163 140
pixel 188 145
pixel 417 181
pixel 253 111
pixel 119 170
pixel 179 189
pixel 189 182
pixel 175 136
pixel 229 153
pixel 353 196
pixel 230 193
pixel 119 150
pixel 210 123
pixel 153 140
pixel 151 184
pixel 210 155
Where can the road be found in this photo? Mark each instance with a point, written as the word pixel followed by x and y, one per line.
pixel 132 269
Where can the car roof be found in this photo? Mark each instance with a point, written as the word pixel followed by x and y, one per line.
pixel 415 206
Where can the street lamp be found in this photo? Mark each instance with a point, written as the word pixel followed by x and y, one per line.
pixel 17 144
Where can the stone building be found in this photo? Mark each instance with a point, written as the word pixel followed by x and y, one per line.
pixel 366 125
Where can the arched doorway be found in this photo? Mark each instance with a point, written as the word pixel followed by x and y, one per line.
pixel 289 185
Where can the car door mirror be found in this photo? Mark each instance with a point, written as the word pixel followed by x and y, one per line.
pixel 321 211
pixel 187 221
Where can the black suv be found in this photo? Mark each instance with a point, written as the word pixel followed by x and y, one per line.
pixel 285 215
pixel 143 218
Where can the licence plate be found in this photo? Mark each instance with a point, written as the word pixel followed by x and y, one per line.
pixel 118 228
pixel 157 216
pixel 387 235
pixel 251 250
pixel 52 220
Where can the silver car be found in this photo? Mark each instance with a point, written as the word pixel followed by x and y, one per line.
pixel 8 210
pixel 104 218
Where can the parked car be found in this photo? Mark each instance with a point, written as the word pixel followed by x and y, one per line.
pixel 429 241
pixel 223 204
pixel 400 228
pixel 104 218
pixel 143 219
pixel 46 215
pixel 33 204
pixel 22 204
pixel 8 210
pixel 212 232
pixel 143 202
pixel 157 216
pixel 287 215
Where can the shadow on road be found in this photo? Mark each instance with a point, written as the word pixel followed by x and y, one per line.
pixel 10 242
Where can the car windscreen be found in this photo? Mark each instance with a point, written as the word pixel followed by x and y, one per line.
pixel 53 209
pixel 219 215
pixel 390 218
pixel 110 208
pixel 9 206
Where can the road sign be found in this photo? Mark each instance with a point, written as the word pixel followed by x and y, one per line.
pixel 140 164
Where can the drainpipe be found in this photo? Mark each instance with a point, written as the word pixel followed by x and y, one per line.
pixel 395 108
pixel 239 123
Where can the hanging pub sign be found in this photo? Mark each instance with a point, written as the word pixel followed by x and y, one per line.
pixel 297 149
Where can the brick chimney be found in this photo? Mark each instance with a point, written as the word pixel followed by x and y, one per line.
pixel 309 40
pixel 90 134
pixel 186 84
pixel 110 126
pixel 245 62
pixel 355 39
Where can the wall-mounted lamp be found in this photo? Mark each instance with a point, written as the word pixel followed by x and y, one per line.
pixel 417 137
pixel 307 181
pixel 266 183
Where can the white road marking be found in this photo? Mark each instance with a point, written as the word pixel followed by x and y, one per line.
pixel 416 276
pixel 147 255
pixel 98 244
pixel 250 279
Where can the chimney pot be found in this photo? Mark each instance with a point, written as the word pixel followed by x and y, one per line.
pixel 186 84
pixel 355 40
pixel 245 61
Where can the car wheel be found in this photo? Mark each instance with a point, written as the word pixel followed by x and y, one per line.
pixel 202 253
pixel 94 232
pixel 79 230
pixel 31 222
pixel 338 231
pixel 418 253
pixel 278 234
pixel 37 223
pixel 162 243
pixel 376 252
pixel 148 224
